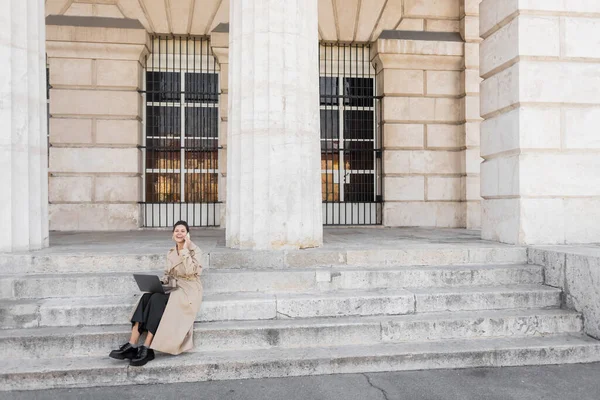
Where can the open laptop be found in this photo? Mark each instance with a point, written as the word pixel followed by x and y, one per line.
pixel 151 284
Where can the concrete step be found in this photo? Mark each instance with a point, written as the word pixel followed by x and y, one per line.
pixel 71 261
pixel 115 310
pixel 316 332
pixel 18 374
pixel 277 281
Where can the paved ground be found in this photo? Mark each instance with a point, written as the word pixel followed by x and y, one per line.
pixel 563 382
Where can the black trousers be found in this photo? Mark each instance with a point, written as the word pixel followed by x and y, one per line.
pixel 149 311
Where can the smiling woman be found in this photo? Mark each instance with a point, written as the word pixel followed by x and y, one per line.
pixel 169 318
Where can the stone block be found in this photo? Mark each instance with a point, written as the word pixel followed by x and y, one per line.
pixel 87 35
pixel 473 133
pixel 581 37
pixel 70 72
pixel 399 48
pixel 473 187
pixel 526 35
pixel 398 81
pixel 118 73
pixel 581 128
pixel 501 90
pixel 581 220
pixel 442 25
pixel 403 136
pixel 94 217
pixel 499 218
pixel 119 131
pixel 70 130
pixel 224 78
pixel 404 188
pixel 444 188
pixel 413 109
pixel 472 110
pixel 445 136
pixel 501 177
pixel 474 215
pixel 72 189
pixel 435 162
pixel 95 102
pixel 424 62
pixel 432 8
pixel 472 81
pixel 527 127
pixel 469 28
pixel 542 221
pixel 443 83
pixel 472 56
pixel 396 161
pixel 560 174
pixel 424 214
pixel 118 189
pixel 580 83
pixel 472 161
pixel 470 7
pixel 103 160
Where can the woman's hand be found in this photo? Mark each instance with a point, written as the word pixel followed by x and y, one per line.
pixel 187 243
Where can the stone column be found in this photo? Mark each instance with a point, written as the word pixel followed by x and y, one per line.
pixel 23 122
pixel 541 104
pixel 273 165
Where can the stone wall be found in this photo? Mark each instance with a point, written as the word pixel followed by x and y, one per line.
pixel 541 103
pixel 576 270
pixel 96 121
pixel 419 77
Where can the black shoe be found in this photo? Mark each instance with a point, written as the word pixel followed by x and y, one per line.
pixel 127 351
pixel 144 355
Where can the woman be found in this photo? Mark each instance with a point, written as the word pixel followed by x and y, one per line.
pixel 168 318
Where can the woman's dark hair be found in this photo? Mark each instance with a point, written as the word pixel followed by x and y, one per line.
pixel 187 228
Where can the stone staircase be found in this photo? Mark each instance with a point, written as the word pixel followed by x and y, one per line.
pixel 288 314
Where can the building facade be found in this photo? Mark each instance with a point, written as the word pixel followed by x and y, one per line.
pixel 272 119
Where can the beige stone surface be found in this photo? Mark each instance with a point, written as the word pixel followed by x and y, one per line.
pixel 104 160
pixel 445 188
pixel 69 71
pixel 411 24
pixel 119 131
pixel 412 109
pixel 95 102
pixel 390 17
pixel 117 189
pixel 117 73
pixel 445 136
pixel 438 214
pixel 398 81
pixel 404 188
pixel 422 162
pixel 443 83
pixel 432 8
pixel 474 214
pixel 442 25
pixel 108 11
pixel 403 136
pixel 95 217
pixel 71 130
pixel 73 189
pixel 80 9
pixel 581 127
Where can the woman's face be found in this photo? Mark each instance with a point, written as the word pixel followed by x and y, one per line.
pixel 179 233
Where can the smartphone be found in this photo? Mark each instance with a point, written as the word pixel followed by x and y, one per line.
pixel 187 236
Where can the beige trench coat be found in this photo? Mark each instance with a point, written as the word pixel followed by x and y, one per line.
pixel 175 331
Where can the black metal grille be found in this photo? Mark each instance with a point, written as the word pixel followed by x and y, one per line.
pixel 351 147
pixel 181 133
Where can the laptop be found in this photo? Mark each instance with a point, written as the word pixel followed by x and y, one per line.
pixel 151 284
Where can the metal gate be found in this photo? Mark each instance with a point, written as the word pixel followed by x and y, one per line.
pixel 181 133
pixel 351 145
